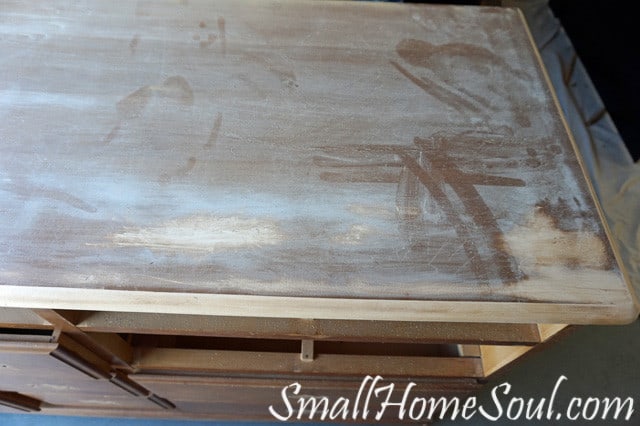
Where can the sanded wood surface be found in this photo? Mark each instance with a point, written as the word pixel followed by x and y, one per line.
pixel 292 150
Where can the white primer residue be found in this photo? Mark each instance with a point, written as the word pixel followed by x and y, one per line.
pixel 202 233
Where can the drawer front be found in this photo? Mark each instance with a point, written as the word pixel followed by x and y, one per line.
pixel 251 398
pixel 35 369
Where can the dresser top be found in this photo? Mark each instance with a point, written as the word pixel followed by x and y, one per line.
pixel 299 159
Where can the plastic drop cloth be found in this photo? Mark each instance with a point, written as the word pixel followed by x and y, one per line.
pixel 614 175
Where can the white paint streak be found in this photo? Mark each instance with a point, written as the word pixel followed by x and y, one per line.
pixel 202 233
pixel 13 98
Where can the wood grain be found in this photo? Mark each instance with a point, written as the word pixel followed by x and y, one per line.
pixel 297 328
pixel 216 395
pixel 32 369
pixel 233 363
pixel 263 153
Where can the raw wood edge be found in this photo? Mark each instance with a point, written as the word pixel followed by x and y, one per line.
pixel 310 307
pixel 495 357
pixel 603 221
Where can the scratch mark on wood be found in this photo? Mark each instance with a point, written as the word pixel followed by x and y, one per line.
pixel 191 163
pixel 112 134
pixel 223 34
pixel 133 44
pixel 160 279
pixel 213 136
pixel 27 190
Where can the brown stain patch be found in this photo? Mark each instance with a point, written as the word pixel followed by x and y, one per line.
pixel 204 44
pixel 112 134
pixel 286 75
pixel 222 32
pixel 191 163
pixel 438 91
pixel 175 87
pixel 563 215
pixel 424 54
pixel 441 61
pixel 178 88
pixel 165 178
pixel 133 44
pixel 133 104
pixel 215 131
pixel 428 165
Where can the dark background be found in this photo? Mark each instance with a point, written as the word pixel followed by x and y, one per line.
pixel 602 33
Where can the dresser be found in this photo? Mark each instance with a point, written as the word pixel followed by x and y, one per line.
pixel 206 203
